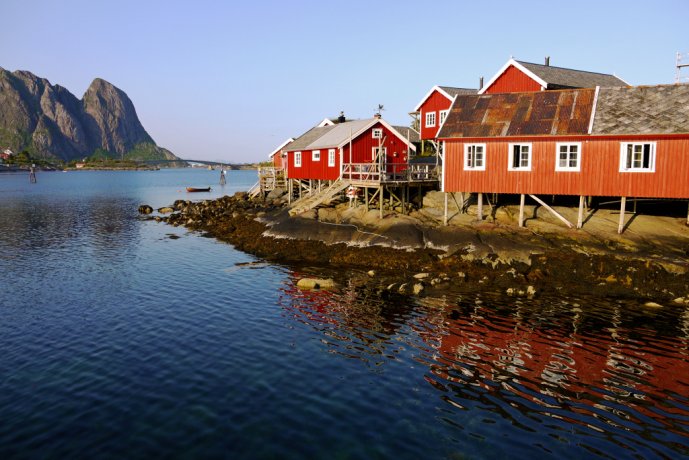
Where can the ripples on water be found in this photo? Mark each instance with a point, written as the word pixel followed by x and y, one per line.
pixel 125 338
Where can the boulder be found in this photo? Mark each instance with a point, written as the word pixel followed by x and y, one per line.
pixel 276 193
pixel 315 283
pixel 145 209
pixel 165 210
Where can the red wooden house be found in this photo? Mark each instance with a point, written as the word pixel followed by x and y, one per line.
pixel 520 76
pixel 623 141
pixel 276 155
pixel 322 152
pixel 434 107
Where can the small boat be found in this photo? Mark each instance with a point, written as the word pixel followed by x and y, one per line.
pixel 198 189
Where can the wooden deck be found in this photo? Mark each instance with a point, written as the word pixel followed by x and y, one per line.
pixel 373 175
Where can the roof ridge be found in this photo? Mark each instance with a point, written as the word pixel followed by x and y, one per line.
pixel 566 68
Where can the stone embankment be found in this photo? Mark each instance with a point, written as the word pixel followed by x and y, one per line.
pixel 416 255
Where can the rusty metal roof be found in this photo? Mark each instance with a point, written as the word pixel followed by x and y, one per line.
pixel 565 112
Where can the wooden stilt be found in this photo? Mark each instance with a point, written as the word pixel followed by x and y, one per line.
pixel 634 200
pixel 687 212
pixel 580 216
pixel 404 200
pixel 381 199
pixel 289 193
pixel 623 204
pixel 522 199
pixel 445 215
pixel 366 197
pixel 479 211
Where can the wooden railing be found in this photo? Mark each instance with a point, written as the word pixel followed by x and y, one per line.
pixel 393 172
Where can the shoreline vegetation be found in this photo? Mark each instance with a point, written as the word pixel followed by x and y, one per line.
pixel 416 255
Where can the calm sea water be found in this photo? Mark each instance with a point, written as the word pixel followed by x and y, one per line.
pixel 126 338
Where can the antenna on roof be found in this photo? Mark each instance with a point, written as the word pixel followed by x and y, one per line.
pixel 681 62
pixel 380 109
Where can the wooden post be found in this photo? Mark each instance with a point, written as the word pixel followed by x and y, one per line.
pixel 404 200
pixel 522 199
pixel 623 203
pixel 380 199
pixel 445 215
pixel 634 200
pixel 479 210
pixel 687 212
pixel 289 192
pixel 580 218
pixel 366 197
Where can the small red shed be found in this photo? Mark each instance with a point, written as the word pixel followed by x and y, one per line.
pixel 276 155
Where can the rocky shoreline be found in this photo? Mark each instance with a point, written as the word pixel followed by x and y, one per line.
pixel 416 255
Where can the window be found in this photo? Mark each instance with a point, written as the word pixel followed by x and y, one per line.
pixel 297 159
pixel 568 156
pixel 520 157
pixel 331 157
pixel 443 115
pixel 316 155
pixel 430 119
pixel 377 133
pixel 475 157
pixel 374 155
pixel 637 157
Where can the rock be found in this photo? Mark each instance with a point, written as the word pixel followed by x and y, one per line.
pixel 530 291
pixel 421 276
pixel 462 276
pixel 679 300
pixel 145 209
pixel 510 291
pixel 403 288
pixel 315 283
pixel 391 286
pixel 652 305
pixel 418 288
pixel 371 273
pixel 275 193
pixel 165 210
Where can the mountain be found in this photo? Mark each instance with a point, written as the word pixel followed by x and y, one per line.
pixel 50 122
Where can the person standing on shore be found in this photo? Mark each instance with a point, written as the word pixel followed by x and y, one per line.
pixel 222 175
pixel 32 174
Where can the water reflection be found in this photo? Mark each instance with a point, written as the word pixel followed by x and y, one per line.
pixel 609 377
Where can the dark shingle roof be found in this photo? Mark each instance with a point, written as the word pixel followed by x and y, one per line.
pixel 309 137
pixel 560 77
pixel 520 114
pixel 452 91
pixel 407 132
pixel 662 109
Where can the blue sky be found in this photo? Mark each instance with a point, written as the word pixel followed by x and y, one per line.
pixel 229 81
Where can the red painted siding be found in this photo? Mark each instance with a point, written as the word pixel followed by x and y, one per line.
pixel 362 146
pixel 277 160
pixel 434 103
pixel 513 80
pixel 599 175
pixel 310 169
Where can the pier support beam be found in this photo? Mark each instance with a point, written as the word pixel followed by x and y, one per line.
pixel 580 216
pixel 552 211
pixel 522 199
pixel 445 214
pixel 623 205
pixel 479 211
pixel 687 212
pixel 381 200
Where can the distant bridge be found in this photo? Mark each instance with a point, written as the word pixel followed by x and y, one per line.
pixel 202 162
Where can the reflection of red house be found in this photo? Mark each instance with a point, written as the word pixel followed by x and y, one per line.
pixel 559 365
pixel 321 152
pixel 434 107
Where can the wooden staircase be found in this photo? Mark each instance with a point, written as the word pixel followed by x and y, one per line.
pixel 311 201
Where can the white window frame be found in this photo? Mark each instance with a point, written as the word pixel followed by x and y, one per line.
pixel 375 150
pixel 624 148
pixel 510 153
pixel 377 133
pixel 442 116
pixel 331 157
pixel 297 159
pixel 470 157
pixel 569 145
pixel 430 119
pixel 316 155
